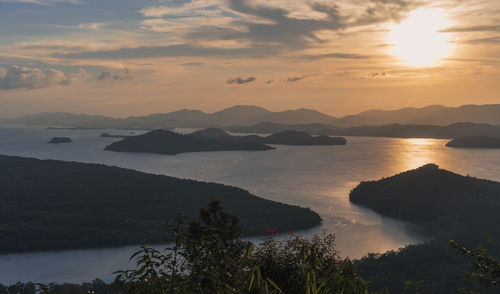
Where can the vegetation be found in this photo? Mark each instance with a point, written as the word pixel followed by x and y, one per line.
pixel 53 205
pixel 445 206
pixel 213 139
pixel 167 142
pixel 208 256
pixel 475 142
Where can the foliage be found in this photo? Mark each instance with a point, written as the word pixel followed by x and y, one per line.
pixel 54 205
pixel 210 257
pixel 443 205
pixel 486 269
pixel 96 287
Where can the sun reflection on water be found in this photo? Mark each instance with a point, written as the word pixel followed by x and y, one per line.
pixel 419 152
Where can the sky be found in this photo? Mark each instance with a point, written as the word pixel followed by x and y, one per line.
pixel 136 57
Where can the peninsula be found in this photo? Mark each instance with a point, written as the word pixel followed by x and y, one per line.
pixel 54 205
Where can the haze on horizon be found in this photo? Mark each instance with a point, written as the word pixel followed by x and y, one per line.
pixel 132 57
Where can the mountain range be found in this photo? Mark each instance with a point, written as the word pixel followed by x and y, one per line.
pixel 244 115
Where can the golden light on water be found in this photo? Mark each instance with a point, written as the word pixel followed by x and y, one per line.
pixel 418 40
pixel 420 141
pixel 417 152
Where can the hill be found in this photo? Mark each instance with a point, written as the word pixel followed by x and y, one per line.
pixel 244 115
pixel 213 139
pixel 445 206
pixel 429 115
pixel 53 205
pixel 432 197
pixel 474 142
pixel 167 142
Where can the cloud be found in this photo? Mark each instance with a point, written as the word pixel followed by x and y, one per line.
pixel 296 78
pixel 381 75
pixel 378 11
pixel 193 64
pixel 16 77
pixel 125 74
pixel 337 55
pixel 3 72
pixel 491 40
pixel 480 28
pixel 156 52
pixel 45 2
pixel 240 81
pixel 91 25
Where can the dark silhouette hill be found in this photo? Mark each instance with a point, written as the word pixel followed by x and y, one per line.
pixel 437 199
pixel 445 206
pixel 53 205
pixel 475 142
pixel 214 139
pixel 167 142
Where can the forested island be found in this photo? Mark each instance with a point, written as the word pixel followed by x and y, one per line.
pixel 168 142
pixel 54 205
pixel 475 142
pixel 445 206
pixel 213 139
pixel 59 140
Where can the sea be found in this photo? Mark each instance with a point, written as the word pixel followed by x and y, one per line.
pixel 318 177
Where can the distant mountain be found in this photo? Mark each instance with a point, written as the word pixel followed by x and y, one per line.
pixel 271 127
pixel 243 115
pixel 393 130
pixel 429 115
pixel 66 119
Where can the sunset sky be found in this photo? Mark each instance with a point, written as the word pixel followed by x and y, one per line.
pixel 134 57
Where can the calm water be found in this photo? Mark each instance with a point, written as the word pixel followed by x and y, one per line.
pixel 319 177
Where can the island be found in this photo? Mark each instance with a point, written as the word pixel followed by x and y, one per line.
pixel 452 131
pixel 287 137
pixel 302 138
pixel 54 205
pixel 475 142
pixel 59 140
pixel 214 139
pixel 106 135
pixel 167 142
pixel 432 197
pixel 440 206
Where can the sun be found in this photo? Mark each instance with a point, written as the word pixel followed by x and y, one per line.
pixel 418 40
